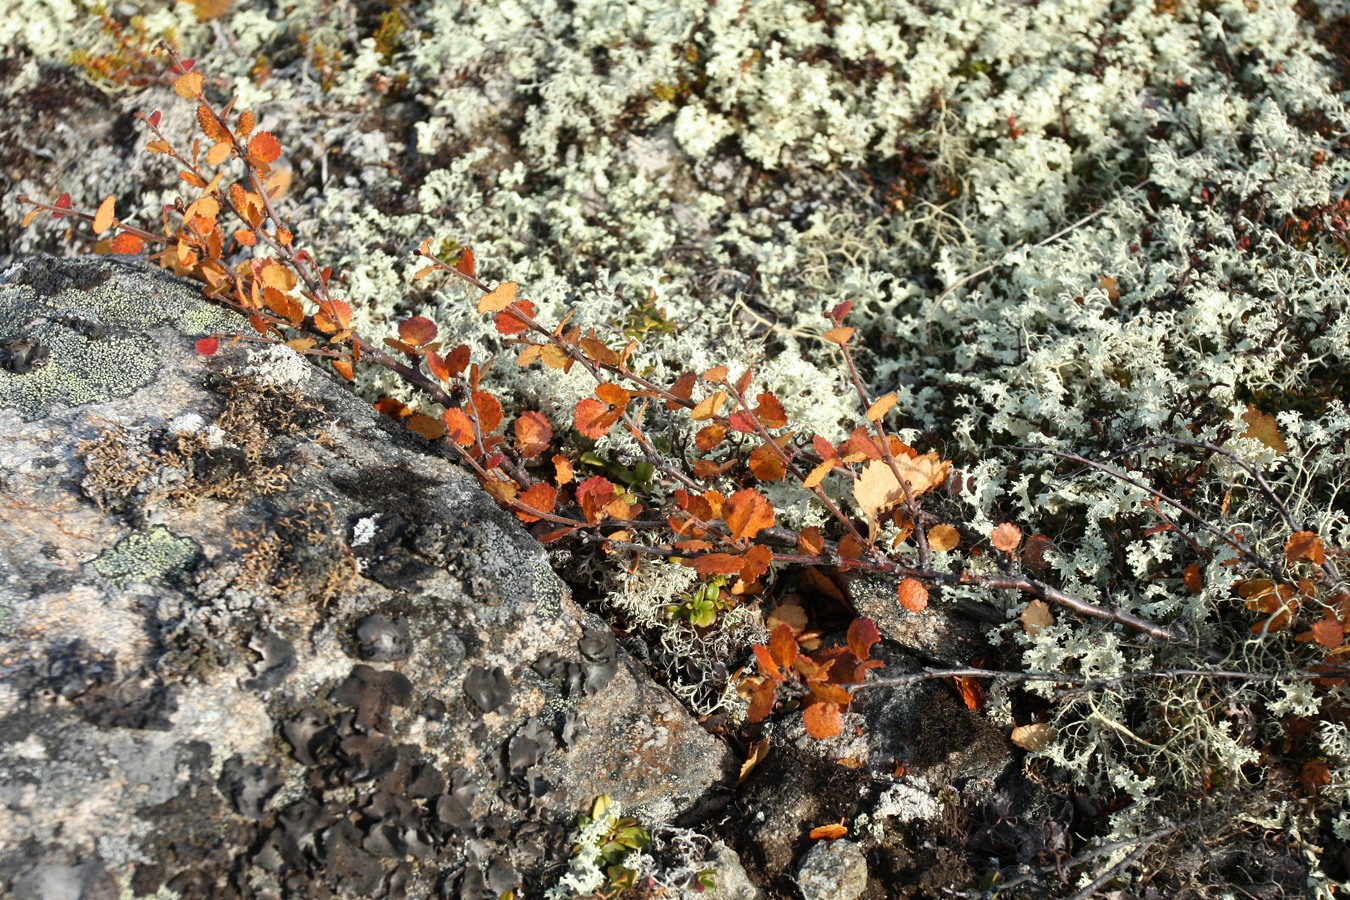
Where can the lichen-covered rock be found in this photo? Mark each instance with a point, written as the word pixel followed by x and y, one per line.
pixel 833 870
pixel 254 642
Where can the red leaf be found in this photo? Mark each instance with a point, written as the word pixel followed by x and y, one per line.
pixel 208 346
pixel 593 495
pixel 508 324
pixel 839 312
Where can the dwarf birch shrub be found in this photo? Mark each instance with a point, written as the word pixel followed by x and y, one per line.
pixel 1084 228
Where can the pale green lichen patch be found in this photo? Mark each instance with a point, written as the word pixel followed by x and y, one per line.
pixel 142 556
pixel 91 332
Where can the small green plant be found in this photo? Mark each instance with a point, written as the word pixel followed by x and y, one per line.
pixel 701 605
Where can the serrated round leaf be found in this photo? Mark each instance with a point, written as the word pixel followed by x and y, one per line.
pixel 823 720
pixel 417 330
pixel 264 146
pixel 1006 537
pixel 127 244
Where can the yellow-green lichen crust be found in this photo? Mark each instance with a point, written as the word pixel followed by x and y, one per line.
pixel 146 555
pixel 95 329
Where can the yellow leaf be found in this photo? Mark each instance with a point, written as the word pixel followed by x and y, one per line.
pixel 188 86
pixel 818 474
pixel 708 406
pixel 219 152
pixel 499 299
pixel 878 491
pixel 880 407
pixel 103 219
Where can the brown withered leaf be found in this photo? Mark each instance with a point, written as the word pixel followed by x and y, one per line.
pixel 878 491
pixel 1036 617
pixel 1263 427
pixel 759 750
pixel 790 614
pixel 1305 545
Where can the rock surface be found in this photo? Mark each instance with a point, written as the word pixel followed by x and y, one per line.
pixel 254 641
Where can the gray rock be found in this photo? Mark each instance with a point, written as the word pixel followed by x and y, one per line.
pixel 211 587
pixel 833 870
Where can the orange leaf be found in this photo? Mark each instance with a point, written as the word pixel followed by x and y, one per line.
pixel 747 512
pixel 972 694
pixel 823 720
pixel 913 595
pixel 862 635
pixel 597 351
pixel 830 693
pixel 489 411
pixel 818 474
pixel 127 243
pixel 708 406
pixel 613 394
pixel 762 697
pixel 562 469
pixel 943 538
pixel 711 564
pixel 811 542
pixel 768 666
pixel 683 388
pixel 1328 632
pixel 770 412
pixel 1195 580
pixel 839 335
pixel 465 264
pixel 344 368
pixel 755 563
pixel 765 465
pixel 458 425
pixel 218 153
pixel 828 832
pixel 542 497
pixel 533 432
pixel 1006 537
pixel 716 375
pixel 103 219
pixel 426 426
pixel 264 146
pixel 593 495
pixel 1305 545
pixel 783 646
pixel 499 298
pixel 593 419
pixel 245 126
pixel 709 436
pixel 879 407
pixel 417 330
